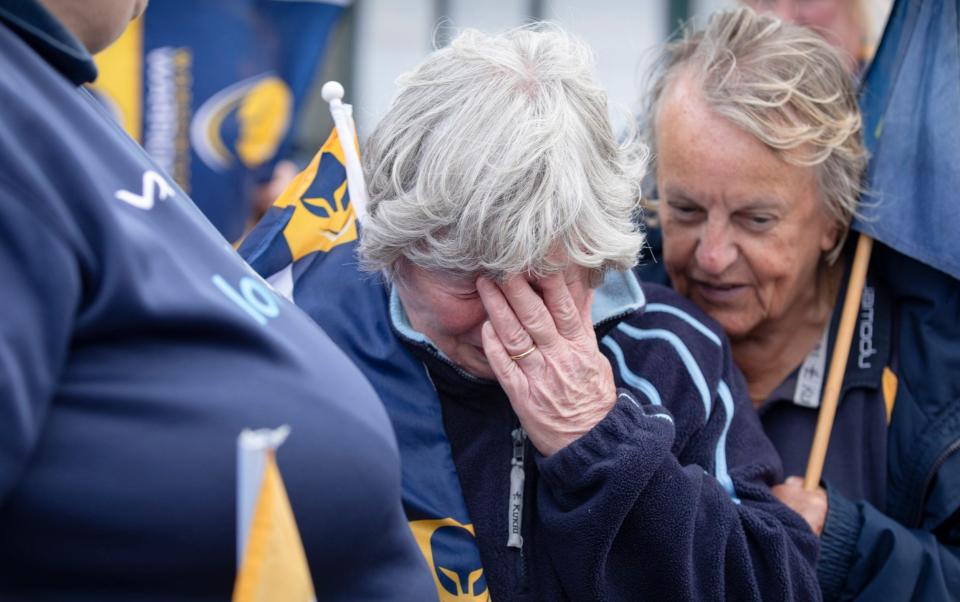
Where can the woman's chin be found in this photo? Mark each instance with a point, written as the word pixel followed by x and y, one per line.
pixel 735 327
pixel 474 362
pixel 735 323
pixel 480 369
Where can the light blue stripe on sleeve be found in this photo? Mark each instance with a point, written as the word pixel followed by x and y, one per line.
pixel 641 384
pixel 720 460
pixel 675 311
pixel 685 356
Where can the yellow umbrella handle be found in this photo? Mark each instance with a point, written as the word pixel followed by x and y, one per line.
pixel 838 363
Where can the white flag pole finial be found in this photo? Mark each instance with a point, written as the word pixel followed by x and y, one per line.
pixel 342 113
pixel 332 92
pixel 252 449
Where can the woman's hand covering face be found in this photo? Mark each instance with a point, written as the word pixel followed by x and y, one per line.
pixel 565 386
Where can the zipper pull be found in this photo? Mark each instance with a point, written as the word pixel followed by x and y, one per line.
pixel 517 477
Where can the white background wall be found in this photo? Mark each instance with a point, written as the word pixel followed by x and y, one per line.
pixel 392 36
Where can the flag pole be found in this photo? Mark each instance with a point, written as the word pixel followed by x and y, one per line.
pixel 838 363
pixel 342 114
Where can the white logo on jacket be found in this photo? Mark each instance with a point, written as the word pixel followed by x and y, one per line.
pixel 154 188
pixel 866 328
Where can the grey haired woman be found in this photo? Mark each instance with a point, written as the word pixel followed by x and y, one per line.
pixel 502 210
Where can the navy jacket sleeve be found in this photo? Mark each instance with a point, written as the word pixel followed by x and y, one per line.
pixel 867 553
pixel 670 492
pixel 40 292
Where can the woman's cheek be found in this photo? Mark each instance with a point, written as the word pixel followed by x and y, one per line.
pixel 461 317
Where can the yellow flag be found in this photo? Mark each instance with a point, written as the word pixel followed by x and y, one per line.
pixel 274 565
pixel 120 78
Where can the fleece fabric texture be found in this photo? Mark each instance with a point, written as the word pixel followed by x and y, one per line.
pixel 666 498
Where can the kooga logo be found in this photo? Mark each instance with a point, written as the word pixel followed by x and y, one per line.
pixel 866 328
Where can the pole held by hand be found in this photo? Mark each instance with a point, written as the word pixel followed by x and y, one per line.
pixel 838 363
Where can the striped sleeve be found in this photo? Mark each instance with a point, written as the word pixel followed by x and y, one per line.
pixel 670 493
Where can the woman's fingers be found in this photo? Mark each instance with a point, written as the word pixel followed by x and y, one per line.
pixel 544 354
pixel 518 336
pixel 586 319
pixel 567 318
pixel 530 310
pixel 507 371
pixel 523 318
pixel 811 505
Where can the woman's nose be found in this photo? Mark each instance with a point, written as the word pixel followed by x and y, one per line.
pixel 716 250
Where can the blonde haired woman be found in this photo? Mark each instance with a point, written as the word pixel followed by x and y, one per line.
pixel 759 161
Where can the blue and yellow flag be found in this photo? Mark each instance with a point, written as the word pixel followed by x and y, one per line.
pixel 306 247
pixel 312 216
pixel 210 88
pixel 911 109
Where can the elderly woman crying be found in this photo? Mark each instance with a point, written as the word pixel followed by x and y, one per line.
pixel 502 211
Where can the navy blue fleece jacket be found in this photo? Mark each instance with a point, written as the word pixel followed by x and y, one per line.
pixel 666 498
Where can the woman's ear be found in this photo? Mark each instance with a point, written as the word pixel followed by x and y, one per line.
pixel 831 236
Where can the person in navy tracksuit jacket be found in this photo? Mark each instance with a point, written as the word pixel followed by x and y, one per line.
pixel 136 345
pixel 668 497
pixel 604 441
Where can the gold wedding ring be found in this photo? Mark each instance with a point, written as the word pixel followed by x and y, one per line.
pixel 520 356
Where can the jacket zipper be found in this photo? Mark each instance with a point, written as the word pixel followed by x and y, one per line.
pixel 515 506
pixel 517 478
pixel 949 451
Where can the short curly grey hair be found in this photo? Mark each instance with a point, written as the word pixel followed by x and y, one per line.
pixel 497 153
pixel 784 85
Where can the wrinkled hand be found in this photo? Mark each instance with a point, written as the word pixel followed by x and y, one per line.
pixel 565 386
pixel 811 505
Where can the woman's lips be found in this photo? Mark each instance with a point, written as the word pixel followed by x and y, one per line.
pixel 717 293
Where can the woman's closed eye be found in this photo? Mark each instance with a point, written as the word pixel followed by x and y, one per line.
pixel 685 212
pixel 758 222
pixel 466 294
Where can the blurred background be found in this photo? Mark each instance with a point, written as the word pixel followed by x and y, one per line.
pixel 225 94
pixel 380 39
